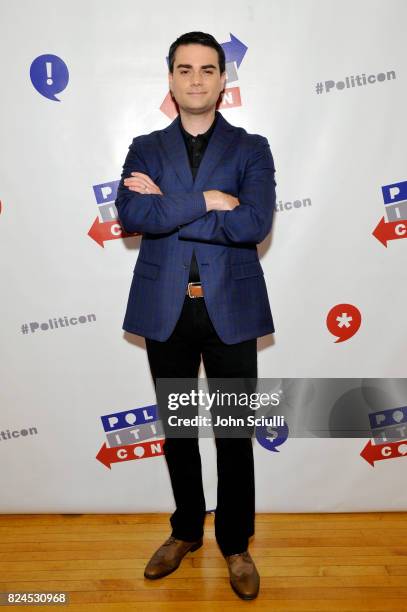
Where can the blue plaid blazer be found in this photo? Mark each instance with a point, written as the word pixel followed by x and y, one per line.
pixel 177 222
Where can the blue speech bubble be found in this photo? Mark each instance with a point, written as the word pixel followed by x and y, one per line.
pixel 49 75
pixel 271 437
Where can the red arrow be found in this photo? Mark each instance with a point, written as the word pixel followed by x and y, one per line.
pixel 393 230
pixel 110 230
pixel 118 454
pixel 388 450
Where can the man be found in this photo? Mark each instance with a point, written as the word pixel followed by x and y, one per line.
pixel 202 193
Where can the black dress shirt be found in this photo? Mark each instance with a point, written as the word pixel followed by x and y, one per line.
pixel 196 146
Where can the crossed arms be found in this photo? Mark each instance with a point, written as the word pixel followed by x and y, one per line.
pixel 209 216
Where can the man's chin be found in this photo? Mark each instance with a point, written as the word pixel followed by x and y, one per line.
pixel 197 109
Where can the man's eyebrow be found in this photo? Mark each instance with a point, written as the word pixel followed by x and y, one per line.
pixel 190 66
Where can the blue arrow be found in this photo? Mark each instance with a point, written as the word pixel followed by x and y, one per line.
pixel 234 50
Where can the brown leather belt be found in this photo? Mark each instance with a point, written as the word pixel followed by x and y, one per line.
pixel 194 290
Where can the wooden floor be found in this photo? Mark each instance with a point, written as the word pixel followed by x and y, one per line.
pixel 314 562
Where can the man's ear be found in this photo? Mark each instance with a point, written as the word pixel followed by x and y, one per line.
pixel 223 80
pixel 169 80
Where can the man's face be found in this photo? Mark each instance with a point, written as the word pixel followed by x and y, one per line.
pixel 196 81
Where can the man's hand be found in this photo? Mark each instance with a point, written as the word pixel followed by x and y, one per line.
pixel 141 183
pixel 218 200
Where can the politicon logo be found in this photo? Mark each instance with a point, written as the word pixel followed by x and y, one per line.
pixel 343 321
pixel 271 437
pixel 131 434
pixel 389 431
pixel 106 225
pixel 37 327
pixel 352 81
pixel 395 205
pixel 49 75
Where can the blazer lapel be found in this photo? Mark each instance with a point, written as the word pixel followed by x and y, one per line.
pixel 220 140
pixel 174 146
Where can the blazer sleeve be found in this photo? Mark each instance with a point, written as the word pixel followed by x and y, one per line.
pixel 153 213
pixel 251 221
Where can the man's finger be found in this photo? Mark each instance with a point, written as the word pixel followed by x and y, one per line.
pixel 143 176
pixel 137 184
pixel 139 178
pixel 143 185
pixel 139 189
pixel 143 189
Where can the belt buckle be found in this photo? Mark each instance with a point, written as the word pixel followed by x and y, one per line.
pixel 189 293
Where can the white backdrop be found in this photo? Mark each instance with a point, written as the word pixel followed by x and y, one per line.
pixel 335 150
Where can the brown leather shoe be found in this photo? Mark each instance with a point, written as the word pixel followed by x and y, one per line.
pixel 244 577
pixel 167 558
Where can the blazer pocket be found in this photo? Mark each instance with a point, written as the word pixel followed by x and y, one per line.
pixel 247 269
pixel 146 269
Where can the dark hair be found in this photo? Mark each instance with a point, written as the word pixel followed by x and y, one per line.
pixel 197 38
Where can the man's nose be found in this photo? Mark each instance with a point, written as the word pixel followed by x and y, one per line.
pixel 196 78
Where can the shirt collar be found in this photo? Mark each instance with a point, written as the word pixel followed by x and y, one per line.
pixel 205 136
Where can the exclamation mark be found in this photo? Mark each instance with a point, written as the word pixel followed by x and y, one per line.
pixel 49 73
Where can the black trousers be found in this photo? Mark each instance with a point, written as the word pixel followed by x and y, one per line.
pixel 179 357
